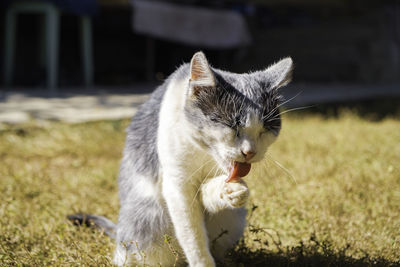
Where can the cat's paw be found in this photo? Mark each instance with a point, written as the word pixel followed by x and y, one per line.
pixel 235 194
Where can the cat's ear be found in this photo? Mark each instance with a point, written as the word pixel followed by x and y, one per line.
pixel 201 75
pixel 279 74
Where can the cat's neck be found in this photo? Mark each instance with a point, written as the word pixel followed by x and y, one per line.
pixel 176 138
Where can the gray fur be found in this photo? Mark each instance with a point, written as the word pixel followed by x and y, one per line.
pixel 234 96
pixel 140 153
pixel 227 104
pixel 145 220
pixel 100 222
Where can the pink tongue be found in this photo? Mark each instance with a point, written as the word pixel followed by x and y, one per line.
pixel 239 169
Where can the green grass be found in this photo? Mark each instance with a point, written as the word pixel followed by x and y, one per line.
pixel 337 204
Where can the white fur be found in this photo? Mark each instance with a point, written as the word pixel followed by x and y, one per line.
pixel 190 186
pixel 179 161
pixel 182 192
pixel 184 172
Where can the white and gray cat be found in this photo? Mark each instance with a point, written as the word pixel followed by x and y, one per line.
pixel 180 148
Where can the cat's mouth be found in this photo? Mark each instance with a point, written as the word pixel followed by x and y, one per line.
pixel 237 171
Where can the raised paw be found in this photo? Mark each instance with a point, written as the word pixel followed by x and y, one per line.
pixel 235 194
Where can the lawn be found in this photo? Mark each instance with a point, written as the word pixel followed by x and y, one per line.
pixel 328 194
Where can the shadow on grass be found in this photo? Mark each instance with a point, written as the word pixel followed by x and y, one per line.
pixel 315 254
pixel 270 252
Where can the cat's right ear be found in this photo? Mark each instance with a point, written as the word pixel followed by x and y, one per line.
pixel 201 75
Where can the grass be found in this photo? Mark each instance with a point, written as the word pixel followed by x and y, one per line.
pixel 336 201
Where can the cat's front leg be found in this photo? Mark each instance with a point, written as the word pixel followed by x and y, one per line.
pixel 216 194
pixel 187 216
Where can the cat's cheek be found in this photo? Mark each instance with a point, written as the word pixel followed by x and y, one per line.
pixel 222 140
pixel 204 139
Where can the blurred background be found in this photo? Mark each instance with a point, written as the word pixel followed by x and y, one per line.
pixel 72 73
pixel 344 50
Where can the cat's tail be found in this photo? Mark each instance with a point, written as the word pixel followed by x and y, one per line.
pixel 96 221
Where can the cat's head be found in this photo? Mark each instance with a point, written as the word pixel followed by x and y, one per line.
pixel 235 116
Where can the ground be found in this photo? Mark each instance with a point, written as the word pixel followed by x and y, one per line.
pixel 328 194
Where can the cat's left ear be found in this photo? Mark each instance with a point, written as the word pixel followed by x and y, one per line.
pixel 279 74
pixel 201 75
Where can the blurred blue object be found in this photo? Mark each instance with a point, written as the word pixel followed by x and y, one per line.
pixel 76 7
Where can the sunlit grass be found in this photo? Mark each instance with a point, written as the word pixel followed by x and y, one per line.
pixel 337 202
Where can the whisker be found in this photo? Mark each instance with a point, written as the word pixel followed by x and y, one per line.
pixel 281 104
pixel 231 97
pixel 283 168
pixel 241 105
pixel 274 181
pixel 200 168
pixel 202 182
pixel 276 117
pixel 265 167
pixel 204 164
pixel 217 172
pixel 299 108
pixel 290 99
pixel 273 119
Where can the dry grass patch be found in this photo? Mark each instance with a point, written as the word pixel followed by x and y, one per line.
pixel 337 203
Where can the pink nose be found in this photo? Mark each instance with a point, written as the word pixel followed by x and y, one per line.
pixel 248 154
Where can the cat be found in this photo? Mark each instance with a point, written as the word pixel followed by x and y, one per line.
pixel 180 148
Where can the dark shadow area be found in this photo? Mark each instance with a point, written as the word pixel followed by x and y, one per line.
pixel 310 253
pixel 314 252
pixel 371 109
pixel 302 256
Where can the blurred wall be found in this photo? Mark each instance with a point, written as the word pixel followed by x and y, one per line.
pixel 331 41
pixel 344 41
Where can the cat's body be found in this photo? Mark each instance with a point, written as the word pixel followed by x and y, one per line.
pixel 179 149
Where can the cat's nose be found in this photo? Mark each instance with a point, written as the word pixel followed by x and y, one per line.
pixel 248 154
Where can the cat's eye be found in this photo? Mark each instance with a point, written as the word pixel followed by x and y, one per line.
pixel 214 119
